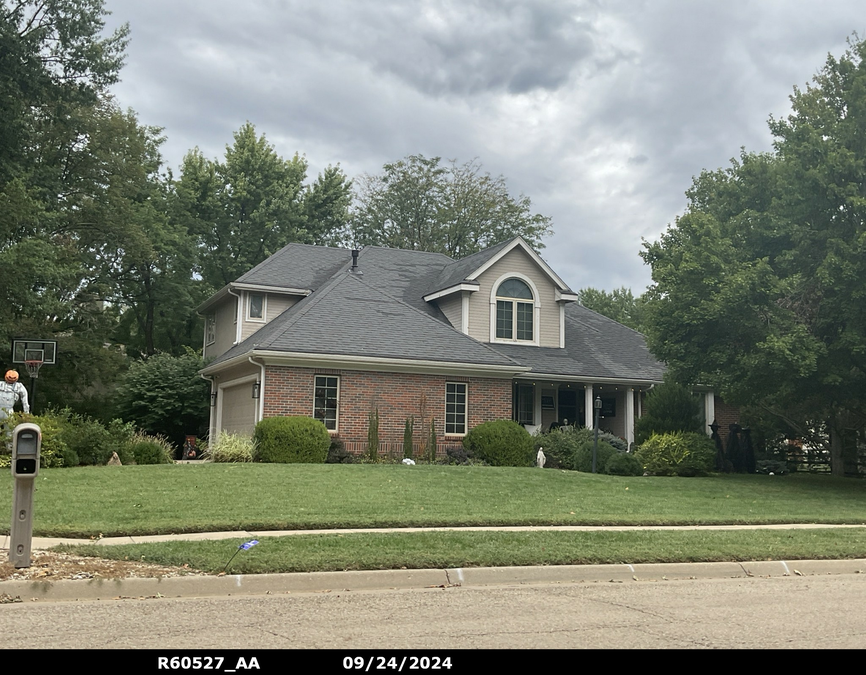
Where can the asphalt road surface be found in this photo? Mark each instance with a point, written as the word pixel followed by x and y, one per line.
pixel 760 613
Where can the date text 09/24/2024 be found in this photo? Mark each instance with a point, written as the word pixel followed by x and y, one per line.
pixel 364 663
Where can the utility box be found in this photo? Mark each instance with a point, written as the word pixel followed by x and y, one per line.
pixel 26 448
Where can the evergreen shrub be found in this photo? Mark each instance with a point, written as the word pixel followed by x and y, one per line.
pixel 500 443
pixel 623 464
pixel 291 440
pixel 151 449
pixel 583 456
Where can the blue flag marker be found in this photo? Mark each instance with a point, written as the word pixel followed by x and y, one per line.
pixel 246 546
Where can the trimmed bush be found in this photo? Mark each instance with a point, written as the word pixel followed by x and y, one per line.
pixel 583 456
pixel 679 454
pixel 231 449
pixel 500 443
pixel 623 464
pixel 291 440
pixel 147 449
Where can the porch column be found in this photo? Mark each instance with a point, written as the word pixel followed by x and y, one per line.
pixel 588 407
pixel 629 416
pixel 709 411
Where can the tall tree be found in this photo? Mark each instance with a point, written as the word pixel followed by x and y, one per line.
pixel 619 305
pixel 457 209
pixel 249 206
pixel 759 287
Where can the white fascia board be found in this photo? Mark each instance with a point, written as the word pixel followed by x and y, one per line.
pixel 224 291
pixel 379 364
pixel 452 289
pixel 281 290
pixel 212 300
pixel 586 379
pixel 518 241
pixel 559 296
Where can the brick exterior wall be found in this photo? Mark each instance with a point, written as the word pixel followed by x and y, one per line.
pixel 289 391
pixel 725 416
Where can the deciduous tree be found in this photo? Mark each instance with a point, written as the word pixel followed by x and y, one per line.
pixel 418 203
pixel 759 287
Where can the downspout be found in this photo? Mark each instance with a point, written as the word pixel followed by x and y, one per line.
pixel 260 412
pixel 237 317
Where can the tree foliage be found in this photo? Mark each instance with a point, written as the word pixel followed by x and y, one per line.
pixel 165 395
pixel 669 408
pixel 620 305
pixel 456 209
pixel 247 207
pixel 759 287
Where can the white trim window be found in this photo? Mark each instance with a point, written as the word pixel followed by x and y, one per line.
pixel 326 400
pixel 455 408
pixel 256 307
pixel 210 329
pixel 515 311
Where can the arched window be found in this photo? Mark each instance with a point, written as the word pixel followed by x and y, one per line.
pixel 514 311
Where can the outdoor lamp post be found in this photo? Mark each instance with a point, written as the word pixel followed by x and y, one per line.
pixel 595 443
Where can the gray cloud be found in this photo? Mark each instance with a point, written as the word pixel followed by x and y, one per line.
pixel 601 113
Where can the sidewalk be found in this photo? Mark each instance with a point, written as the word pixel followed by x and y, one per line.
pixel 317 582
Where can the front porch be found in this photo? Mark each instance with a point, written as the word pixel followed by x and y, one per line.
pixel 539 403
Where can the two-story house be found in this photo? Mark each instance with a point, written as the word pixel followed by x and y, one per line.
pixel 333 334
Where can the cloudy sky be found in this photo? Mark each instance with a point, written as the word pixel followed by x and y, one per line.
pixel 600 112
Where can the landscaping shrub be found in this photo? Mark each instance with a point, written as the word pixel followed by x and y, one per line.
pixel 373 435
pixel 500 443
pixel 583 456
pixel 337 454
pixel 619 444
pixel 54 451
pixel 291 440
pixel 69 439
pixel 151 449
pixel 623 464
pixel 561 445
pixel 408 450
pixel 231 448
pixel 680 454
pixel 669 408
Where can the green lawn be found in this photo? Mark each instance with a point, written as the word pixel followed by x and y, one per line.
pixel 334 552
pixel 89 501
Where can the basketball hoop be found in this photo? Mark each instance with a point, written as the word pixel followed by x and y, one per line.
pixel 33 366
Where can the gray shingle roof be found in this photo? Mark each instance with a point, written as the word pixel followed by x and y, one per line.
pixel 457 270
pixel 381 313
pixel 298 266
pixel 350 317
pixel 595 346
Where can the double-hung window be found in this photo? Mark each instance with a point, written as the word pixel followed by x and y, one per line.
pixel 514 311
pixel 455 408
pixel 256 307
pixel 326 400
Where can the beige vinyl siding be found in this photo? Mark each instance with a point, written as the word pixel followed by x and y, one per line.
pixel 238 409
pixel 515 260
pixel 452 308
pixel 226 314
pixel 274 306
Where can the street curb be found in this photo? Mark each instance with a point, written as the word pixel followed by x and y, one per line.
pixel 328 582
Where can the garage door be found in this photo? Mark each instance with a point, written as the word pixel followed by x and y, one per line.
pixel 238 409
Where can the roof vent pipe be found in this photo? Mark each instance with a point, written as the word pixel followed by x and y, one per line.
pixel 355 269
